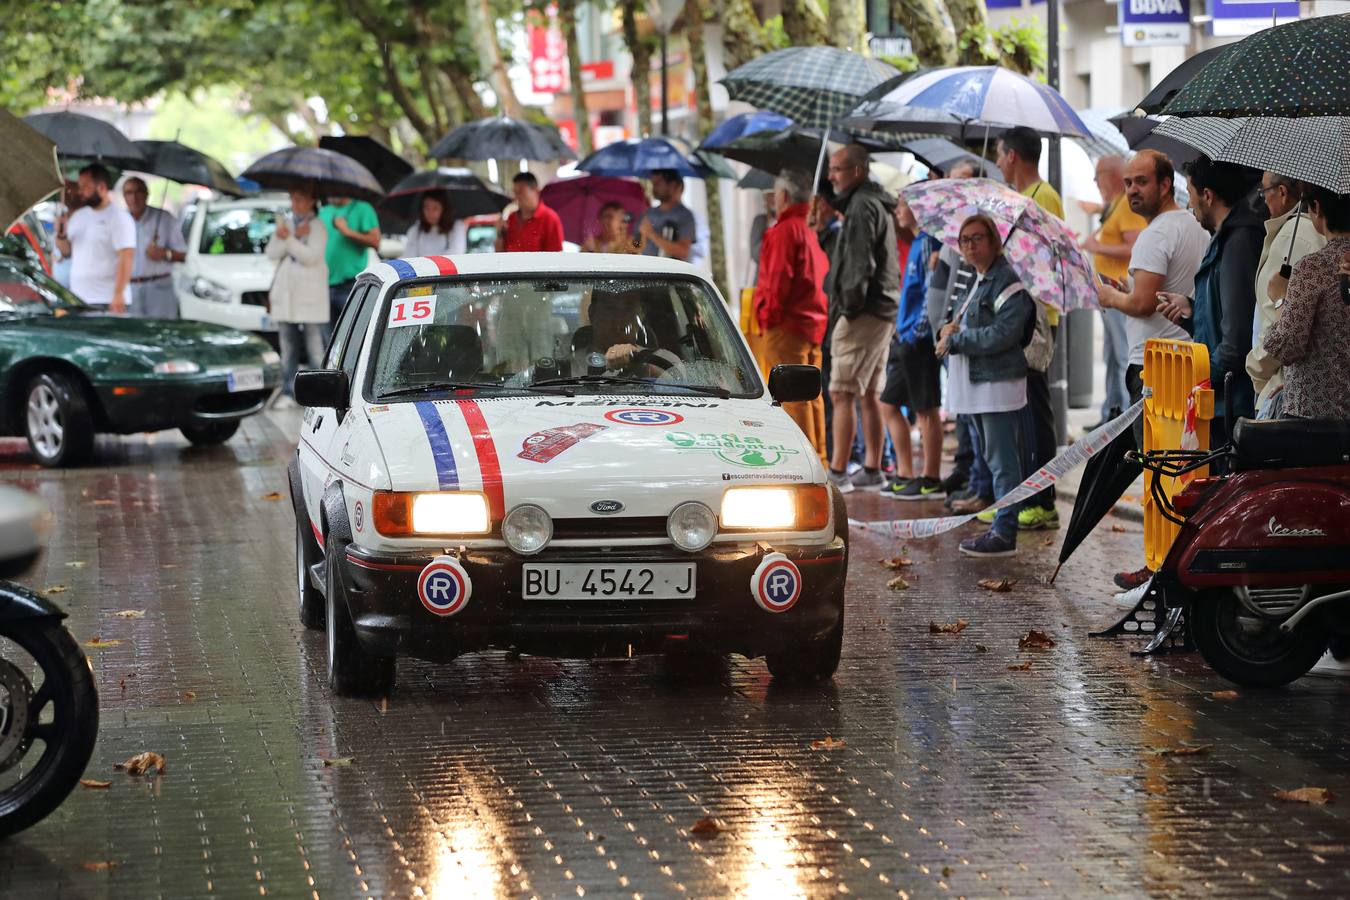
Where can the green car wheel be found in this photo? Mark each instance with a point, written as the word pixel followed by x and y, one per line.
pixel 57 420
pixel 210 433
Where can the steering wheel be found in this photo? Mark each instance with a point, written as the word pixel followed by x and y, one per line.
pixel 655 357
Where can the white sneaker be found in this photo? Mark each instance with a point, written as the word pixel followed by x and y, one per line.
pixel 1331 667
pixel 1128 599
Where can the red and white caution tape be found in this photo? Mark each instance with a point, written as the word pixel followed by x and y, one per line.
pixel 1051 472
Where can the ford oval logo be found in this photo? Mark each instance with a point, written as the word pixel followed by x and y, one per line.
pixel 606 507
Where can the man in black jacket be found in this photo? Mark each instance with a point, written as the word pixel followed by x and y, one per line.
pixel 864 295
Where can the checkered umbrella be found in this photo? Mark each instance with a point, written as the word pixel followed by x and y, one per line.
pixel 1295 70
pixel 813 86
pixel 331 174
pixel 1315 149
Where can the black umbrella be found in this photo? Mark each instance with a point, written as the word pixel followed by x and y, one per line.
pixel 84 137
pixel 796 148
pixel 387 166
pixel 1138 131
pixel 1177 79
pixel 756 180
pixel 331 174
pixel 469 194
pixel 1106 477
pixel 180 163
pixel 502 137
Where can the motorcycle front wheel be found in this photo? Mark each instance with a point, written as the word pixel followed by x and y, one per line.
pixel 48 720
pixel 1250 650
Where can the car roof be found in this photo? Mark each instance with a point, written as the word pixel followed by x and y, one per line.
pixel 269 200
pixel 390 271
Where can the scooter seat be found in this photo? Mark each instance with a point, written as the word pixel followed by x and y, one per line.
pixel 1290 443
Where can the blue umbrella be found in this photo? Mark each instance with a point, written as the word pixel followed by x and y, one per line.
pixel 638 158
pixel 743 125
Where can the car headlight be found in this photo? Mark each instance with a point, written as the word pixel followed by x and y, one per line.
pixel 691 526
pixel 207 289
pixel 177 367
pixel 800 508
pixel 400 514
pixel 271 358
pixel 527 529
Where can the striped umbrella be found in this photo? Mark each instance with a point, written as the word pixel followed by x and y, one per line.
pixel 990 95
pixel 1315 149
pixel 813 86
pixel 331 174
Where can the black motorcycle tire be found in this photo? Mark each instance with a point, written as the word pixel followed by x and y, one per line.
pixel 75 724
pixel 1211 623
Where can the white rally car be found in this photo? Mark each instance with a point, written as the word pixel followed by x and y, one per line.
pixel 564 454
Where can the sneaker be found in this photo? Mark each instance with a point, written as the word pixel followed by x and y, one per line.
pixel 1037 518
pixel 988 545
pixel 986 515
pixel 869 480
pixel 1128 581
pixel 841 481
pixel 922 488
pixel 1129 599
pixel 971 505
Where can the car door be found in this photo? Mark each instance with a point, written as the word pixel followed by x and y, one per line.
pixel 322 432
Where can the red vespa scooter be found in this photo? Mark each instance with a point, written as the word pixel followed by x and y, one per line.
pixel 1260 571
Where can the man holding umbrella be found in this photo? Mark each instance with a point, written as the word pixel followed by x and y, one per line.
pixel 159 244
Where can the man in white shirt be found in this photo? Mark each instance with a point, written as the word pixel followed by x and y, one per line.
pixel 159 244
pixel 100 240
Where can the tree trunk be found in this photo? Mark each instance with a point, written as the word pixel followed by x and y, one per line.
pixel 933 41
pixel 743 35
pixel 969 24
pixel 567 22
pixel 640 49
pixel 695 13
pixel 847 25
pixel 484 29
pixel 804 23
pixel 403 97
pixel 462 80
pixel 311 119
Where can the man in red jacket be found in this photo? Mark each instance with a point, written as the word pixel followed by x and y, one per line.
pixel 790 300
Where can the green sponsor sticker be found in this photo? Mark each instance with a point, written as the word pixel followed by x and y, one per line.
pixel 735 449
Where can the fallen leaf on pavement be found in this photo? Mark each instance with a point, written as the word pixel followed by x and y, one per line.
pixel 142 763
pixel 104 502
pixel 55 589
pixel 1118 528
pixel 898 584
pixel 705 826
pixel 101 865
pixel 897 562
pixel 1035 640
pixel 96 785
pixel 948 627
pixel 76 564
pixel 1314 796
pixel 189 695
pixel 130 614
pixel 97 641
pixel 1023 666
pixel 981 648
pixel 1224 695
pixel 338 761
pixel 123 685
pixel 998 585
pixel 271 495
pixel 1048 542
pixel 828 744
pixel 1197 750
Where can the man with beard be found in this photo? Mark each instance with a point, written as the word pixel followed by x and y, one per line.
pixel 100 240
pixel 668 229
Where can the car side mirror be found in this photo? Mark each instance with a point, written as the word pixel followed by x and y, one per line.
pixel 322 388
pixel 794 383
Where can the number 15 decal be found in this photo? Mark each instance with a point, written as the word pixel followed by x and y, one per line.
pixel 412 311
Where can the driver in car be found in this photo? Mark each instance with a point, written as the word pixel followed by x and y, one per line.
pixel 612 343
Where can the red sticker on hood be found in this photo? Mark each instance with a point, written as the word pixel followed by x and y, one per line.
pixel 543 446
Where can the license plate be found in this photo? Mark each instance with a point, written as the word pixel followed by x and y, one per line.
pixel 247 379
pixel 658 581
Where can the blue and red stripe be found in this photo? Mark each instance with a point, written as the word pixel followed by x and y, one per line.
pixel 447 476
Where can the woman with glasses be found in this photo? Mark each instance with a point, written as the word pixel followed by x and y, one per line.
pixel 987 371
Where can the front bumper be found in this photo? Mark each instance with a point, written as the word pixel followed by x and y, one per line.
pixel 130 407
pixel 723 617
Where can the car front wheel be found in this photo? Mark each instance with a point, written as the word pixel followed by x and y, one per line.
pixel 57 420
pixel 352 672
pixel 209 434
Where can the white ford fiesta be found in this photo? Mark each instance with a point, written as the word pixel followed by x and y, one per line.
pixel 561 454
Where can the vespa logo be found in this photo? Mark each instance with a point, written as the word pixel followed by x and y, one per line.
pixel 1275 529
pixel 606 507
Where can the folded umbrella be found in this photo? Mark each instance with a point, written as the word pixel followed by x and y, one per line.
pixel 578 200
pixel 469 195
pixel 639 157
pixel 1315 149
pixel 1039 246
pixel 29 173
pixel 180 163
pixel 387 166
pixel 330 173
pixel 502 137
pixel 1106 477
pixel 87 138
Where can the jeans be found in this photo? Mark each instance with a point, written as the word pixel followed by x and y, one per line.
pixel 981 481
pixel 294 336
pixel 1001 437
pixel 337 298
pixel 1117 357
pixel 1134 386
pixel 1038 427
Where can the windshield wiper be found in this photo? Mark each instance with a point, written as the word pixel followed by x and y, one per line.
pixel 436 386
pixel 709 390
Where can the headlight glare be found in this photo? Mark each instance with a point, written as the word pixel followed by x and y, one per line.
pixel 398 514
pixel 527 529
pixel 177 367
pixel 691 526
pixel 767 509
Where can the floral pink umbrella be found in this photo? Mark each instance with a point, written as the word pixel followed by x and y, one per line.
pixel 1040 248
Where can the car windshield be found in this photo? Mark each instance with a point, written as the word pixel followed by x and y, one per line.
pixel 237 230
pixel 25 290
pixel 632 334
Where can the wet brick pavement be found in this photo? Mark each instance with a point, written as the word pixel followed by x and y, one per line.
pixel 493 775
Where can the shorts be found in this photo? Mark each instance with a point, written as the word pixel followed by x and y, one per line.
pixel 858 349
pixel 912 376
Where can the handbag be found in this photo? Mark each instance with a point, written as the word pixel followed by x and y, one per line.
pixel 1041 347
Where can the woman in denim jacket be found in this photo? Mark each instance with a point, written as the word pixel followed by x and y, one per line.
pixel 987 371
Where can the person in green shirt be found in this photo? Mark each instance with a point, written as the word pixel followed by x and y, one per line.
pixel 353 231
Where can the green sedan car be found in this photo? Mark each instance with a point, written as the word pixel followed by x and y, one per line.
pixel 69 371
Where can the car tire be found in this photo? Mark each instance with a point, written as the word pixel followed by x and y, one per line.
pixel 313 613
pixel 57 420
pixel 1261 658
pixel 352 672
pixel 813 661
pixel 209 434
